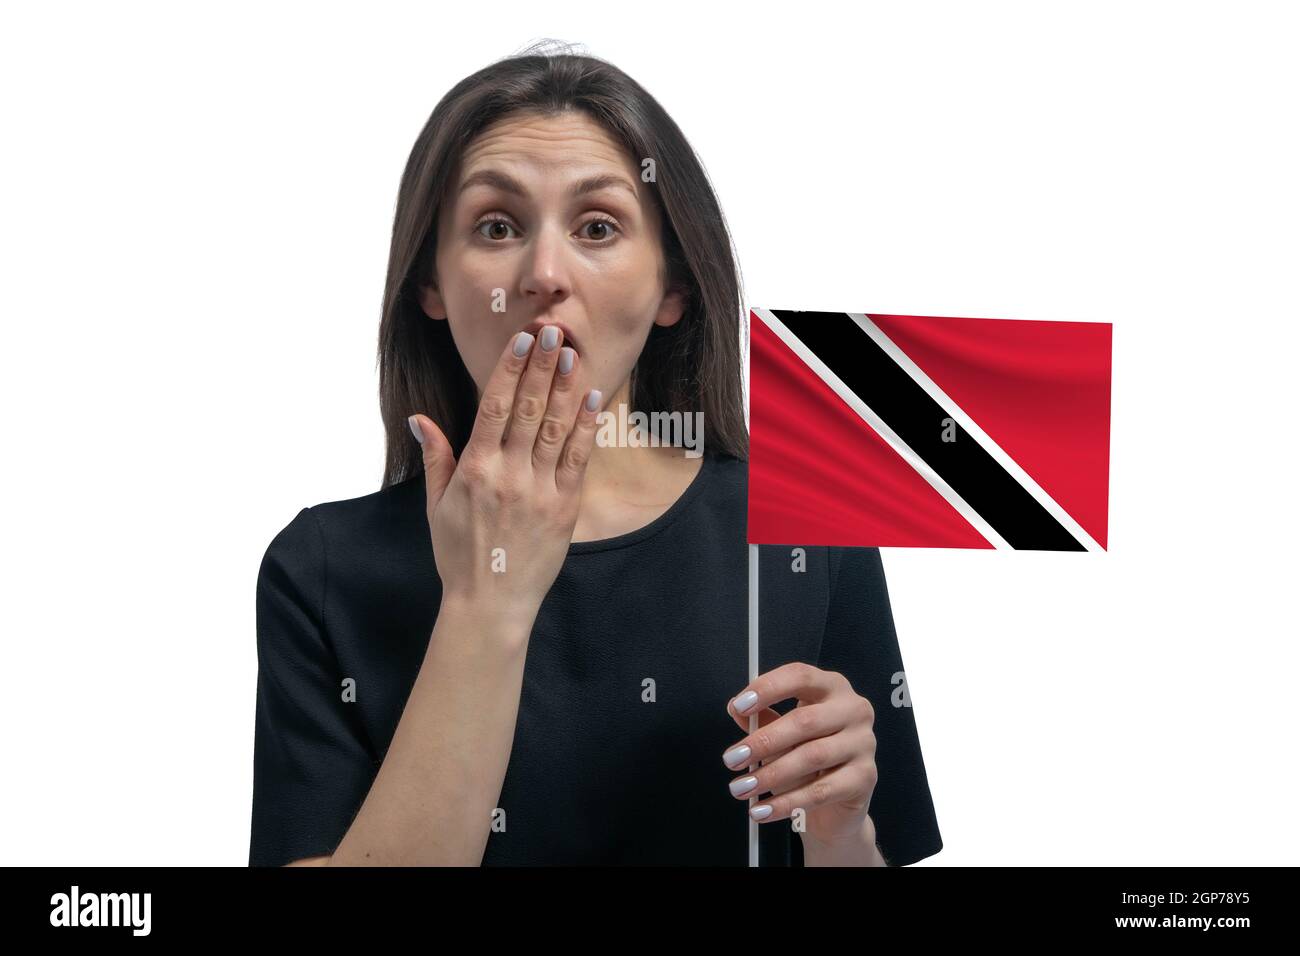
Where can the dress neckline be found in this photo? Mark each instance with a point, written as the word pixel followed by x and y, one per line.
pixel 638 535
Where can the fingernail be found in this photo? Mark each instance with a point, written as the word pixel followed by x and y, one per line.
pixel 593 399
pixel 415 429
pixel 743 785
pixel 761 813
pixel 523 342
pixel 566 360
pixel 550 337
pixel 736 756
pixel 745 701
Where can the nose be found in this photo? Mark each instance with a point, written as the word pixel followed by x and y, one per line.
pixel 546 269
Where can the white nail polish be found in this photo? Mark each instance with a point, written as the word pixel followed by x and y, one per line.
pixel 761 813
pixel 736 756
pixel 566 360
pixel 743 785
pixel 550 338
pixel 415 429
pixel 523 342
pixel 593 400
pixel 745 701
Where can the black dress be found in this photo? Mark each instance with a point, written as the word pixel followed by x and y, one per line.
pixel 635 652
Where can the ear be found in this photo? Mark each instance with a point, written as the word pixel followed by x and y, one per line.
pixel 672 308
pixel 431 303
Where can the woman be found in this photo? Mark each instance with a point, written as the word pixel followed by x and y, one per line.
pixel 529 647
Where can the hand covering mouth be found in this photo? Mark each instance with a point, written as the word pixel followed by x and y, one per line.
pixel 535 328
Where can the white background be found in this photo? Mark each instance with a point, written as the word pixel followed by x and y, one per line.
pixel 197 202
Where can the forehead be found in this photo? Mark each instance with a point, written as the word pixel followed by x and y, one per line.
pixel 562 147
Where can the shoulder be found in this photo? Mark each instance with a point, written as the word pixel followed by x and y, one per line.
pixel 729 468
pixel 857 568
pixel 352 524
pixel 345 560
pixel 729 476
pixel 371 513
pixel 716 500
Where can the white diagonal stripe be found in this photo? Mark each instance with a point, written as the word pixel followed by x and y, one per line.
pixel 868 415
pixel 988 444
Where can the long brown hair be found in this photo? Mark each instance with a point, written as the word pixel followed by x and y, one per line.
pixel 693 365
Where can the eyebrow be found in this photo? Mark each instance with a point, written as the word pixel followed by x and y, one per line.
pixel 507 183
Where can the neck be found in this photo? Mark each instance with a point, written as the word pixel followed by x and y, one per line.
pixel 626 486
pixel 618 466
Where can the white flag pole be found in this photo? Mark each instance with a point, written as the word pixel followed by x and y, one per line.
pixel 753 675
pixel 753 615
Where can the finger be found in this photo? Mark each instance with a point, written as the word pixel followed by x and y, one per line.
pixel 577 449
pixel 439 461
pixel 763 791
pixel 850 784
pixel 561 413
pixel 739 754
pixel 765 717
pixel 499 397
pixel 797 765
pixel 795 785
pixel 530 398
pixel 803 681
pixel 802 724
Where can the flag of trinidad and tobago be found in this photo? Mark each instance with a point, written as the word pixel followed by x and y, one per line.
pixel 922 431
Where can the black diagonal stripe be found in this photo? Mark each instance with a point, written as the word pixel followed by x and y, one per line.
pixel 919 420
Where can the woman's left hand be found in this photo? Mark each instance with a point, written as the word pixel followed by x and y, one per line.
pixel 821 756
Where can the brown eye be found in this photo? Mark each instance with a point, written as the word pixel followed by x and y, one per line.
pixel 605 229
pixel 498 229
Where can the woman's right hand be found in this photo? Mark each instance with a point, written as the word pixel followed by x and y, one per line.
pixel 501 518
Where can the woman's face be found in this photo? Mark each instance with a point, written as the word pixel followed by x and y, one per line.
pixel 547 221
